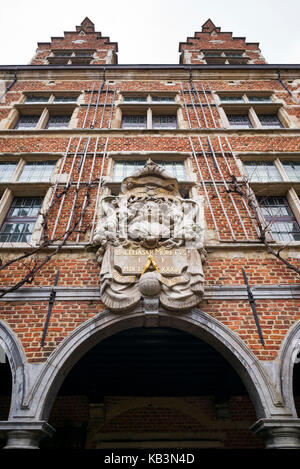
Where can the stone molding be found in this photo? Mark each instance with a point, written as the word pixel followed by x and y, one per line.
pixel 222 292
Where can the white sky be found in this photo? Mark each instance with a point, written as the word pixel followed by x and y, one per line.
pixel 149 32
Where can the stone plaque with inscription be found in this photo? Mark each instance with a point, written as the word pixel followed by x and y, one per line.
pixel 150 243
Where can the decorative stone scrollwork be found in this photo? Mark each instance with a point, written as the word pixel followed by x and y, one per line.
pixel 150 243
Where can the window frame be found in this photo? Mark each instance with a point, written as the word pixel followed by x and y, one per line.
pixel 23 220
pixel 273 219
pixel 149 108
pixel 45 109
pixel 186 186
pixel 286 187
pixel 71 56
pixel 225 56
pixel 266 105
pixel 15 188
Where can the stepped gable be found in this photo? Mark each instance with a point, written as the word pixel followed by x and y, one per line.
pixel 85 45
pixel 212 40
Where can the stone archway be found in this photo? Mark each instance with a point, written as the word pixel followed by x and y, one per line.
pixel 30 409
pixel 264 396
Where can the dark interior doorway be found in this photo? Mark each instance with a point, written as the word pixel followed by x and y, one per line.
pixel 154 364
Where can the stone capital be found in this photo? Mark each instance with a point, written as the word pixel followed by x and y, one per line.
pixel 279 433
pixel 25 435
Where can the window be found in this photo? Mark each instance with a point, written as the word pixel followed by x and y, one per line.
pixel 257 109
pixel 80 53
pixel 270 121
pixel 259 99
pixel 35 111
pixel 237 121
pixel 20 220
pixel 162 99
pixel 292 169
pixel 280 217
pixel 7 170
pixel 123 169
pixel 134 122
pixel 212 54
pixel 135 99
pixel 68 57
pixel 63 53
pixel 35 171
pixel 65 99
pixel 232 99
pixel 58 122
pixel 262 171
pixel 225 56
pixel 149 111
pixel 37 99
pixel 28 171
pixel 32 99
pixel 165 121
pixel 27 122
pixel 234 54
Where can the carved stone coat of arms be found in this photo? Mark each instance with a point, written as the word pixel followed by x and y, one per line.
pixel 150 243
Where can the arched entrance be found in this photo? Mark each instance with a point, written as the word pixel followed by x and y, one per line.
pixel 153 388
pixel 32 404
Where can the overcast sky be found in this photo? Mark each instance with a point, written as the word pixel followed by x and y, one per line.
pixel 149 32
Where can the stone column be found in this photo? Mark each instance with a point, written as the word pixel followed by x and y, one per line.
pixel 25 435
pixel 279 433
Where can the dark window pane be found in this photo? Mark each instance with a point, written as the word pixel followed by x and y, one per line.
pixel 270 121
pixel 162 99
pixel 58 122
pixel 165 121
pixel 239 120
pixel 37 99
pixel 234 54
pixel 20 220
pixel 27 122
pixel 212 54
pixel 258 99
pixel 135 121
pixel 63 54
pixel 232 99
pixel 65 99
pixel 83 54
pixel 135 99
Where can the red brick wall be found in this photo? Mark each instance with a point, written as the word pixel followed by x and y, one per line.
pixel 80 270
